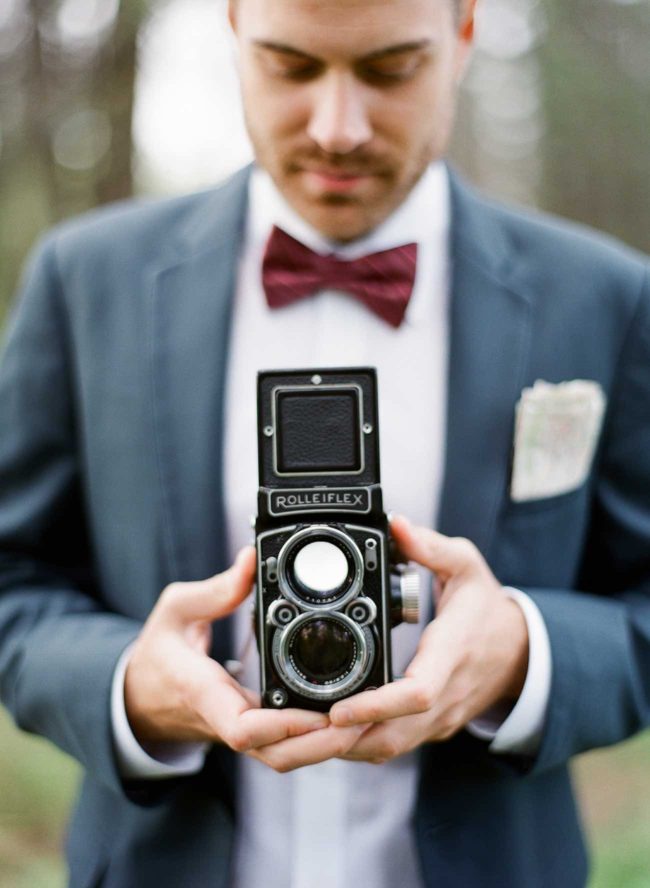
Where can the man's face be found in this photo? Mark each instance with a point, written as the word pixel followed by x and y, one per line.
pixel 347 101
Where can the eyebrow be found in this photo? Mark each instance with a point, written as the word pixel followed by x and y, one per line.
pixel 397 49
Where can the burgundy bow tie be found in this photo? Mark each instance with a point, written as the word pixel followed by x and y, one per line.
pixel 382 281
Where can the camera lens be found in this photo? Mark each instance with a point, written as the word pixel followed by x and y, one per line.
pixel 323 650
pixel 324 656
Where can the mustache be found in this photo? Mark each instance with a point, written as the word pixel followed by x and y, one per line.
pixel 354 162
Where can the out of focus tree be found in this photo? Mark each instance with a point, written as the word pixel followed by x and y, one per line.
pixel 555 110
pixel 596 75
pixel 67 74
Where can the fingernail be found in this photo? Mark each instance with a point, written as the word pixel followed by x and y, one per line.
pixel 344 717
pixel 397 517
pixel 242 555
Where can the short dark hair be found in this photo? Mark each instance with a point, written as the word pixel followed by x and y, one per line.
pixel 458 9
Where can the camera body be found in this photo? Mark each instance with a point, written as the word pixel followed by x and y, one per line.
pixel 328 592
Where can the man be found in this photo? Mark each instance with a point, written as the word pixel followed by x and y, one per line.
pixel 126 469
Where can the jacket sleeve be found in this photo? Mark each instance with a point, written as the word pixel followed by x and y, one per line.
pixel 58 643
pixel 600 637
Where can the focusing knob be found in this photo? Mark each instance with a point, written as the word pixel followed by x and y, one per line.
pixel 410 583
pixel 405 595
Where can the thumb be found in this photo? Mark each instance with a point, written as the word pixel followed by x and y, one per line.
pixel 211 599
pixel 446 556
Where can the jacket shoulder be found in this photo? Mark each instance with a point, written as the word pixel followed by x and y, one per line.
pixel 574 280
pixel 140 230
pixel 549 245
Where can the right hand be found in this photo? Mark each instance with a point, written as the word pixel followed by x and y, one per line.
pixel 175 692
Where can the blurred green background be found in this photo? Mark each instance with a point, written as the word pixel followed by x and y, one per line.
pixel 102 99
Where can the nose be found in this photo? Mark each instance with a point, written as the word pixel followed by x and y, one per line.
pixel 339 119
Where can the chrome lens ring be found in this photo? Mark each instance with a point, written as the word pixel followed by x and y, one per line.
pixel 354 676
pixel 327 534
pixel 281 613
pixel 362 610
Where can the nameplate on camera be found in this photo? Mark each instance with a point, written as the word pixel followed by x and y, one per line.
pixel 334 499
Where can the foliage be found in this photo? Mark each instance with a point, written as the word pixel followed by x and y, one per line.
pixel 67 74
pixel 596 66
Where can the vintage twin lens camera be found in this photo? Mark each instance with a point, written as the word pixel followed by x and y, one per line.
pixel 327 591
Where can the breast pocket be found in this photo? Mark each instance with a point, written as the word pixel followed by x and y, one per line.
pixel 545 504
pixel 539 543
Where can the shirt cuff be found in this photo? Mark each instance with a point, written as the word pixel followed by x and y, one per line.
pixel 520 731
pixel 159 760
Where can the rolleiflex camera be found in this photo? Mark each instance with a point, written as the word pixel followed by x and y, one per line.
pixel 327 590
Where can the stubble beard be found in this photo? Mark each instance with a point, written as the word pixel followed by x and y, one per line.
pixel 340 217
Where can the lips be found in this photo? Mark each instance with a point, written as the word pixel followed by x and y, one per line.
pixel 335 180
pixel 340 172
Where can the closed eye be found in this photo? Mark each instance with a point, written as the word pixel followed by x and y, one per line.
pixel 396 63
pixel 384 67
pixel 390 70
pixel 288 63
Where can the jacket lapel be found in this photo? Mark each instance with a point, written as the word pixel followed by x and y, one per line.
pixel 189 327
pixel 490 327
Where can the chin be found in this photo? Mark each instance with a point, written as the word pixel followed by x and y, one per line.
pixel 338 217
pixel 340 221
pixel 342 233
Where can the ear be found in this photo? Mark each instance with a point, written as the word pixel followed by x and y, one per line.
pixel 466 29
pixel 232 14
pixel 465 37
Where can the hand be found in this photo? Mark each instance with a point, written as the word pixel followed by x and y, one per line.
pixel 173 691
pixel 473 655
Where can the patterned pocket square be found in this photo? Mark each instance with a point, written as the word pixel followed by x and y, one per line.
pixel 557 427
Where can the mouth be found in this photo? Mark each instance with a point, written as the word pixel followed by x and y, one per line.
pixel 339 181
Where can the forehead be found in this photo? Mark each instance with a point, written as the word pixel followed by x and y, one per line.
pixel 330 26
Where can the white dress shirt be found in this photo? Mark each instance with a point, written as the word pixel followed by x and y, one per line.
pixel 342 824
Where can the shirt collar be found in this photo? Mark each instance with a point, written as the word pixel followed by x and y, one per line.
pixel 423 217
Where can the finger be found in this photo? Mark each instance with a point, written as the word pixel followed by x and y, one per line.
pixel 447 556
pixel 310 749
pixel 407 696
pixel 379 743
pixel 257 728
pixel 226 706
pixel 387 740
pixel 211 599
pixel 234 711
pixel 214 710
pixel 253 697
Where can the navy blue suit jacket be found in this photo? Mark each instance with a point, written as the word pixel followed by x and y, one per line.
pixel 111 410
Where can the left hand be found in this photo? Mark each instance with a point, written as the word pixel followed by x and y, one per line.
pixel 471 656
